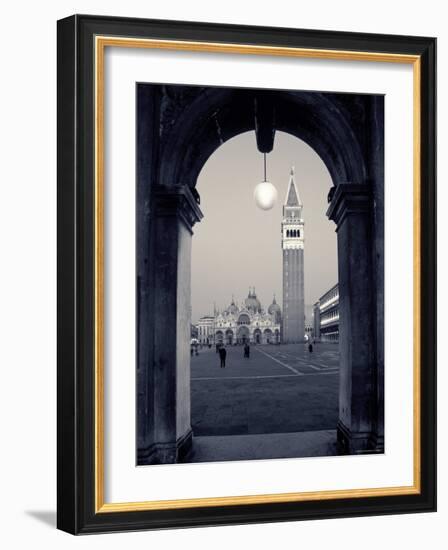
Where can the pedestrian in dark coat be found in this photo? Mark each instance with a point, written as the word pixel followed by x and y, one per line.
pixel 246 350
pixel 310 347
pixel 222 356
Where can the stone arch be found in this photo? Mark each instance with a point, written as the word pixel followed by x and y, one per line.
pixel 215 115
pixel 243 319
pixel 257 336
pixel 179 127
pixel 243 334
pixel 267 336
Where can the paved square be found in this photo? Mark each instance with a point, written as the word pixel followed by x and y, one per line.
pixel 279 389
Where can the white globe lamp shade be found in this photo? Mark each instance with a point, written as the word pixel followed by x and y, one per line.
pixel 265 195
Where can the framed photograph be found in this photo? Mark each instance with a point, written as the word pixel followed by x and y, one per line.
pixel 246 274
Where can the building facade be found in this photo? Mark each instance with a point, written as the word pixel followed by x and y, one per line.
pixel 206 330
pixel 248 322
pixel 293 240
pixel 326 316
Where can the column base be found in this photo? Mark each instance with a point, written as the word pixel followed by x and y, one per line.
pixel 166 453
pixel 377 442
pixel 353 443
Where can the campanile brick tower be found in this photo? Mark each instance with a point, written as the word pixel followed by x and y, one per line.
pixel 293 329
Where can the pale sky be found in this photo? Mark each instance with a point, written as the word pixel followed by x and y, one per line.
pixel 237 245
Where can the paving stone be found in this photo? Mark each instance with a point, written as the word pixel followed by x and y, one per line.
pixel 256 395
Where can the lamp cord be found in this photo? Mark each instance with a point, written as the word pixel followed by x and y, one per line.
pixel 264 154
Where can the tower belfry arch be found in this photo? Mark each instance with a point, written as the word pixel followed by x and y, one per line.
pixel 178 128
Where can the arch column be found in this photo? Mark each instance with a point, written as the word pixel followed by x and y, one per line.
pixel 351 209
pixel 175 213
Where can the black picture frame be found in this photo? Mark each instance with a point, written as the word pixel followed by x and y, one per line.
pixel 76 474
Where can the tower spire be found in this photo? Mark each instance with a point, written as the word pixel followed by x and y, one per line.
pixel 292 194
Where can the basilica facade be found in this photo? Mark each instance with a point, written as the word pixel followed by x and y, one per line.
pixel 248 322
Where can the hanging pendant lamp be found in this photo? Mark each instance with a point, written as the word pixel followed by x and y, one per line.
pixel 265 194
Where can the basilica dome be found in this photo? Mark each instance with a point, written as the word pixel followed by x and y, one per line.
pixel 232 309
pixel 274 309
pixel 252 303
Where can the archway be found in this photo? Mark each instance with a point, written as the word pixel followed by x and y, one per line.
pixel 229 337
pixel 257 336
pixel 244 319
pixel 243 335
pixel 267 336
pixel 179 127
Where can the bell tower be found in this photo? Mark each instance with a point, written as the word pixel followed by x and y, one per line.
pixel 293 328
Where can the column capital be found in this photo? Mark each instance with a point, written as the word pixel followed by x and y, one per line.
pixel 349 198
pixel 177 201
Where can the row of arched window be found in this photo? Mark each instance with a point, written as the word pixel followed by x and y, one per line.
pixel 293 232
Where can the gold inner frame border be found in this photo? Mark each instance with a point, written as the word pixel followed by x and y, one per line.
pixel 100 43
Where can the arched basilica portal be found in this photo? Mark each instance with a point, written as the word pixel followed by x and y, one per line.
pixel 179 127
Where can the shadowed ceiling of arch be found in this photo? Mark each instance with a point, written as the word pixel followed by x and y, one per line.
pixel 195 121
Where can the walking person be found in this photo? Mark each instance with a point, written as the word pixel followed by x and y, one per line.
pixel 310 347
pixel 222 356
pixel 246 350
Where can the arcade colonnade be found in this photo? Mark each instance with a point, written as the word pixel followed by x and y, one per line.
pixel 244 334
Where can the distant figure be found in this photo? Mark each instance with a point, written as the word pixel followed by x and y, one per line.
pixel 217 348
pixel 222 356
pixel 191 350
pixel 196 349
pixel 246 350
pixel 310 347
